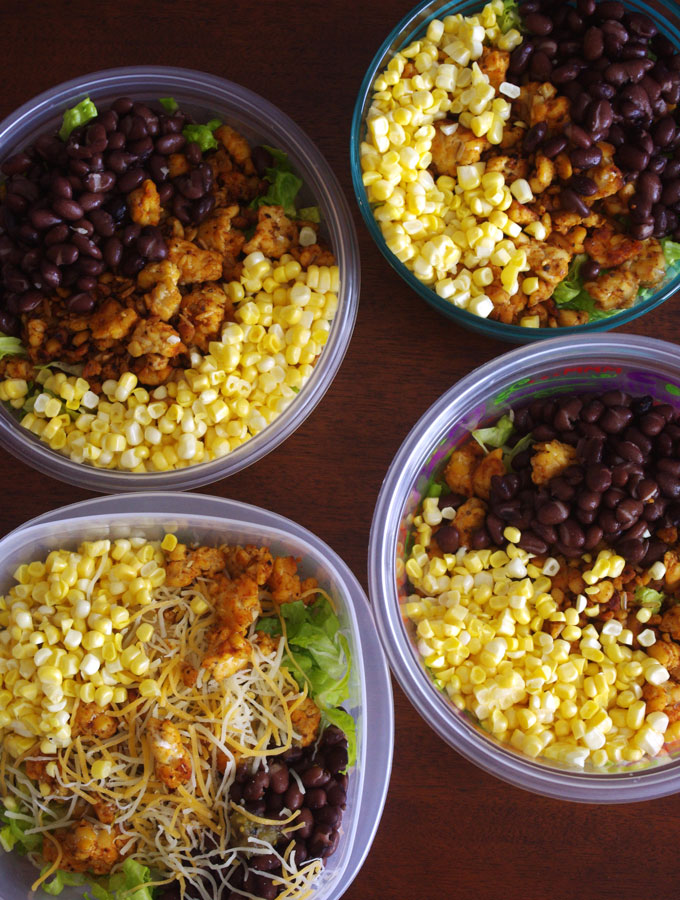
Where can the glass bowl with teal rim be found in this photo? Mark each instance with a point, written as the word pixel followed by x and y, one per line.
pixel 413 26
pixel 594 365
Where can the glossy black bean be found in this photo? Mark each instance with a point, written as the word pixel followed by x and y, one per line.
pixel 553 512
pixel 554 146
pixel 447 538
pixel 519 61
pixel 588 500
pixel 540 66
pixel 532 543
pixel 585 157
pixel 534 136
pixel 669 484
pixel 571 534
pixel 571 202
pixel 535 23
pixel 130 180
pixel 652 423
pixel 336 796
pixel 113 252
pixel 62 254
pixel 315 776
pixel 86 246
pixel 293 797
pixel 81 303
pixel 169 143
pixel 279 777
pixel 670 195
pixel 495 527
pixel 633 551
pixel 30 300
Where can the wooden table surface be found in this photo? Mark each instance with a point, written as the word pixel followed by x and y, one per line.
pixel 448 830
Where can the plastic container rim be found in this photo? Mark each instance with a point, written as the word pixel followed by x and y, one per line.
pixel 319 178
pixel 413 23
pixel 407 669
pixel 377 750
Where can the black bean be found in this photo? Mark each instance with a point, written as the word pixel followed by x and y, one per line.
pixel 583 185
pixel 628 511
pixel 554 146
pixel 169 143
pixel 534 136
pixel 495 527
pixel 130 180
pixel 293 797
pixel 62 254
pixel 536 23
pixel 585 157
pixel 588 500
pixel 552 513
pixel 669 485
pixel 571 201
pixel 86 246
pixel 448 538
pixel 80 303
pixel 652 423
pixel 562 74
pixel 480 539
pixel 615 419
pixel 670 194
pixel 633 550
pixel 315 798
pixel 315 776
pixel 278 777
pixel 113 252
pixel 540 66
pixel 337 759
pixel 532 543
pixel 519 60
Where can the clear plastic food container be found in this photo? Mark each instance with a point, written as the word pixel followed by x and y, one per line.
pixel 666 14
pixel 198 517
pixel 641 366
pixel 205 96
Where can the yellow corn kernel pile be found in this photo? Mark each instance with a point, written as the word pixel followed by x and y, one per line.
pixel 250 376
pixel 480 632
pixel 69 632
pixel 448 232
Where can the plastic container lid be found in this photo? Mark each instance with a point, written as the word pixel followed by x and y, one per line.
pixel 201 516
pixel 206 96
pixel 638 365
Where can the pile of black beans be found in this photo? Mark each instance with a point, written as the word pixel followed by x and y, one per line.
pixel 267 793
pixel 64 219
pixel 622 76
pixel 623 487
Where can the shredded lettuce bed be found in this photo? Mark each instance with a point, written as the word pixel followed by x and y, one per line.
pixel 319 656
pixel 203 134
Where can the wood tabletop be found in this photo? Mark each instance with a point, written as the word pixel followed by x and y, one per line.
pixel 449 830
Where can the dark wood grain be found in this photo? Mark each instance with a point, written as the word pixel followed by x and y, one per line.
pixel 449 830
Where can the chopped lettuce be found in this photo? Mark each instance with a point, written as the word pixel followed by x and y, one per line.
pixel 309 214
pixel 11 346
pixel 13 833
pixel 319 656
pixel 649 598
pixel 61 879
pixel 169 104
pixel 570 293
pixel 202 134
pixel 283 183
pixel 495 436
pixel 510 17
pixel 671 250
pixel 77 115
pixel 511 453
pixel 129 883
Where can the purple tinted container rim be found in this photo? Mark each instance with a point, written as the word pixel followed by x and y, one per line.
pixel 319 178
pixel 637 352
pixel 412 26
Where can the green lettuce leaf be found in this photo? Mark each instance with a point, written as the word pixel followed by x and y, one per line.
pixel 495 436
pixel 649 598
pixel 77 115
pixel 202 134
pixel 319 656
pixel 283 183
pixel 510 17
pixel 671 250
pixel 570 293
pixel 169 104
pixel 62 879
pixel 11 346
pixel 510 453
pixel 13 835
pixel 309 214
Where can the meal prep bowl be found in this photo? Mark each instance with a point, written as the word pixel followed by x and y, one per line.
pixel 205 96
pixel 199 517
pixel 641 366
pixel 666 15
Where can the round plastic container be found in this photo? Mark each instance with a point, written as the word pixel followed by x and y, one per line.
pixel 412 26
pixel 561 366
pixel 199 517
pixel 205 96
